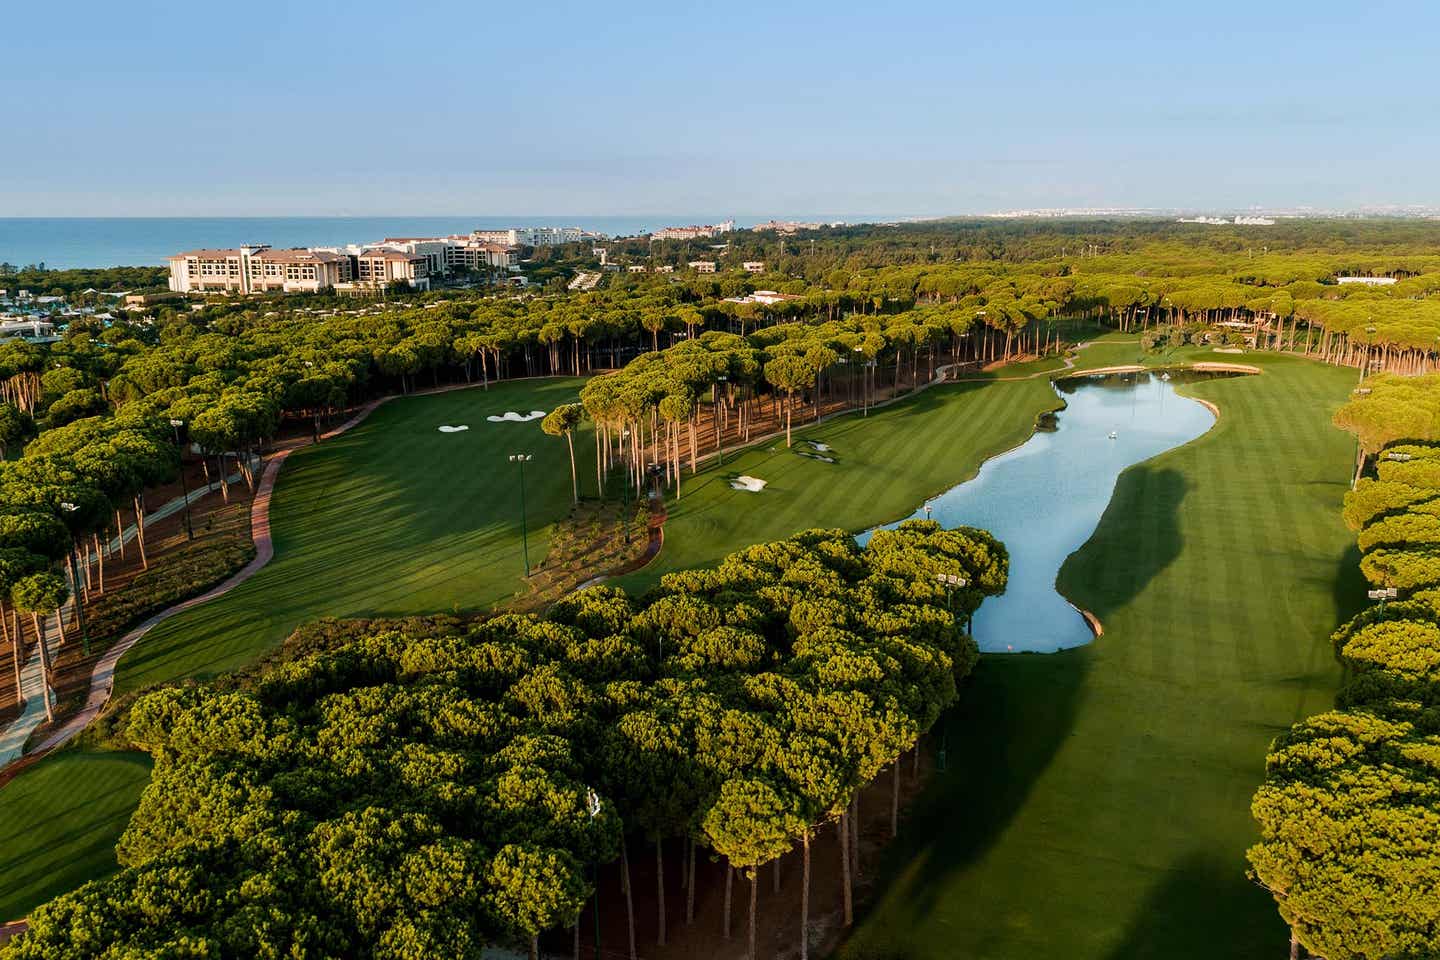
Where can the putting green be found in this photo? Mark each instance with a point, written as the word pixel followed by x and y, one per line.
pixel 1096 803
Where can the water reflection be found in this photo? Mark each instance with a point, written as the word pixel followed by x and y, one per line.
pixel 1045 497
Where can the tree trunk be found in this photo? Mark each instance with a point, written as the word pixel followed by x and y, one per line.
pixel 777 874
pixel 14 642
pixel 39 621
pixel 660 888
pixel 754 883
pixel 120 532
pixel 534 946
pixel 574 480
pixel 805 894
pixel 855 833
pixel 629 900
pixel 1294 946
pixel 842 834
pixel 729 885
pixel 690 888
pixel 99 563
pixel 895 798
pixel 140 532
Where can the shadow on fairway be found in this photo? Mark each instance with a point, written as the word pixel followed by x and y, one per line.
pixel 1178 920
pixel 1142 524
pixel 1011 718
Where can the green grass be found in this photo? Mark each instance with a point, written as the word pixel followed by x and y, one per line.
pixel 391 518
pixel 1096 803
pixel 887 464
pixel 59 822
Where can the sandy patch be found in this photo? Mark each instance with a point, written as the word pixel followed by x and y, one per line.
pixel 511 416
pixel 449 429
pixel 822 447
pixel 749 484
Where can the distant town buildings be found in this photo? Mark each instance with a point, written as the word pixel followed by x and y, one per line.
pixel 694 231
pixel 754 266
pixel 702 266
pixel 793 226
pixel 1367 281
pixel 1237 221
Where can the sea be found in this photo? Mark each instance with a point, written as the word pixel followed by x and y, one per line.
pixel 69 242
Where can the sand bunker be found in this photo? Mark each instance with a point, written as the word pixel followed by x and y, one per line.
pixel 449 429
pixel 815 456
pixel 822 447
pixel 752 484
pixel 513 417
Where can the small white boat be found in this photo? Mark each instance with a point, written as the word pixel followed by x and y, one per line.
pixel 1112 434
pixel 1164 376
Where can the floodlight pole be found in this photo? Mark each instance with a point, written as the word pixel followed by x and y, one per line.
pixel 522 459
pixel 75 595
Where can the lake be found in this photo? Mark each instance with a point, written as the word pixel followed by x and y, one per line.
pixel 1045 497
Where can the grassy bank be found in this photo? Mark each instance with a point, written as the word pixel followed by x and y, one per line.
pixel 1096 801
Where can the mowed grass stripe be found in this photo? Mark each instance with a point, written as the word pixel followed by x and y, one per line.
pixel 889 462
pixel 391 518
pixel 1097 800
pixel 59 823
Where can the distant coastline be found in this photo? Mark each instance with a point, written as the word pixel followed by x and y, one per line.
pixel 69 242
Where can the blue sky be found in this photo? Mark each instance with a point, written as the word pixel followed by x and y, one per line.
pixel 364 108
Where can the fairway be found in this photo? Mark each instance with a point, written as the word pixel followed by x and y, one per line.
pixel 391 518
pixel 59 823
pixel 887 463
pixel 1096 803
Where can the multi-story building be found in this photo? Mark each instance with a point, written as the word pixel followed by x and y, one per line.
pixel 754 266
pixel 694 231
pixel 702 266
pixel 531 236
pixel 380 267
pixel 255 269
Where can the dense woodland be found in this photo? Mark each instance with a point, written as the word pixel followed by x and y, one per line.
pixel 86 430
pixel 423 794
pixel 1350 809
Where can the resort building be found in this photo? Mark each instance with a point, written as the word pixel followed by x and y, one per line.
pixel 382 267
pixel 27 329
pixel 754 266
pixel 1367 281
pixel 531 236
pixel 255 269
pixel 694 231
pixel 702 266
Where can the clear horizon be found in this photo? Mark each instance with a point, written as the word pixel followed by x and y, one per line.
pixel 930 109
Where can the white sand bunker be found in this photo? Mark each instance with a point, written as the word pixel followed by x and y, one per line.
pixel 815 456
pixel 822 447
pixel 449 429
pixel 513 417
pixel 752 484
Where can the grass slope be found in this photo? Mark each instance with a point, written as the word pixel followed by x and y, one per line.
pixel 390 518
pixel 887 464
pixel 1096 803
pixel 59 822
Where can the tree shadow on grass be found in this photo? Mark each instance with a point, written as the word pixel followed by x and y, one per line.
pixel 999 738
pixel 1202 910
pixel 1141 527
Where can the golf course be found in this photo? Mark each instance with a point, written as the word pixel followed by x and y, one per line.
pixel 1114 778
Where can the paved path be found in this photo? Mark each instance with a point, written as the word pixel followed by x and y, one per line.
pixel 14 736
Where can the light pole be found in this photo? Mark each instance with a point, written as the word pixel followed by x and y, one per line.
pixel 184 483
pixel 719 430
pixel 953 582
pixel 75 586
pixel 592 804
pixel 522 459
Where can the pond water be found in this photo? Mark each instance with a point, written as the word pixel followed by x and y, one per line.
pixel 1045 497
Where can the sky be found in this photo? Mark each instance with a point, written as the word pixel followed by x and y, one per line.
pixel 634 108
